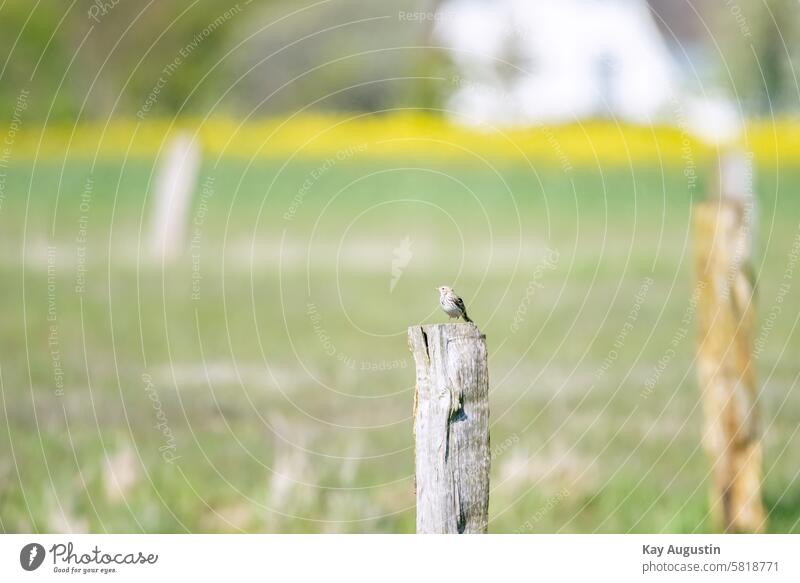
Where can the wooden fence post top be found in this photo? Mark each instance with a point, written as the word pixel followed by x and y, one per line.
pixel 419 336
pixel 463 328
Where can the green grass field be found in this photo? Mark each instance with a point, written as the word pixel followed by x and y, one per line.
pixel 263 382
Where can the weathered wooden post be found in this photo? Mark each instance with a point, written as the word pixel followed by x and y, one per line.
pixel 451 428
pixel 173 191
pixel 723 228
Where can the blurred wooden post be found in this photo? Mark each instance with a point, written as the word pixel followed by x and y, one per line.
pixel 723 228
pixel 177 175
pixel 451 428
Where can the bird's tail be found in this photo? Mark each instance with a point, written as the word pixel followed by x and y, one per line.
pixel 467 319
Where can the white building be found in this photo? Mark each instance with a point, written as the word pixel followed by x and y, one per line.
pixel 525 62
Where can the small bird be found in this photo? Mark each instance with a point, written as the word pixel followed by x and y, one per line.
pixel 452 305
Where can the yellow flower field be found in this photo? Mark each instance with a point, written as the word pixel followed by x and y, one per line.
pixel 398 135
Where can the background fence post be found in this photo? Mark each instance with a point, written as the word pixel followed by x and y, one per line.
pixel 451 428
pixel 723 228
pixel 177 175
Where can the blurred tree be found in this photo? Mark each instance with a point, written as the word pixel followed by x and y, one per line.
pixel 95 58
pixel 343 55
pixel 759 44
pixel 98 57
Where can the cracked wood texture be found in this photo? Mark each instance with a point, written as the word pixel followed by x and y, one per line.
pixel 726 321
pixel 451 428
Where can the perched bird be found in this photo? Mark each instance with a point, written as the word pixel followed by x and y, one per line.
pixel 452 305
